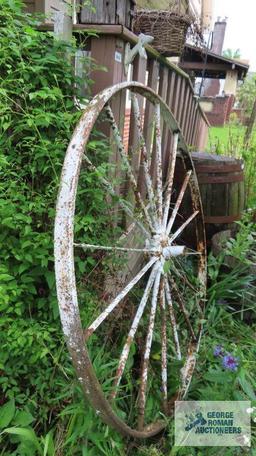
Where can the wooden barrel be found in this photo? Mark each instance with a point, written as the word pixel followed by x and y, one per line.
pixel 221 183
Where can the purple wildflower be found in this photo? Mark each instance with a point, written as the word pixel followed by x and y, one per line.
pixel 229 362
pixel 218 351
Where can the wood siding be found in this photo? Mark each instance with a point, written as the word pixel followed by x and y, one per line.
pixel 108 12
pixel 47 7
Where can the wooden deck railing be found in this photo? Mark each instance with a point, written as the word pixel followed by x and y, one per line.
pixel 166 78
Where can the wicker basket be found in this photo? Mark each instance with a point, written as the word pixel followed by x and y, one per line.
pixel 168 28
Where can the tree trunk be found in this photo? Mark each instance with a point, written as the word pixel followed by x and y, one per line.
pixel 248 132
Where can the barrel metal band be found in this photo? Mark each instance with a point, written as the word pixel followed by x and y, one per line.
pixel 204 179
pixel 222 168
pixel 222 219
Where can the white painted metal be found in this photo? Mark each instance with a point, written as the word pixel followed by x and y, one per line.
pixel 172 318
pixel 135 324
pixel 158 249
pixel 177 204
pixel 168 192
pixel 159 173
pixel 148 180
pixel 144 376
pixel 120 296
pixel 183 226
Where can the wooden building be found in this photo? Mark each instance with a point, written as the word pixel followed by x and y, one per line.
pixel 108 12
pixel 201 63
pixel 48 8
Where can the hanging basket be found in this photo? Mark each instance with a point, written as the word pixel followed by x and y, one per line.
pixel 168 28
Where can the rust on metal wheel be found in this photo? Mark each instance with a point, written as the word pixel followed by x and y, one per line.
pixel 150 324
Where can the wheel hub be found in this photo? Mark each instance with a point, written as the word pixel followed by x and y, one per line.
pixel 159 245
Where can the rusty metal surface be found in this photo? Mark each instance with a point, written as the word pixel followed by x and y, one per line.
pixel 144 372
pixel 164 346
pixel 157 244
pixel 172 318
pixel 133 181
pixel 134 327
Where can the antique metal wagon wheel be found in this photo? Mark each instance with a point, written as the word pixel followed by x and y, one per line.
pixel 149 329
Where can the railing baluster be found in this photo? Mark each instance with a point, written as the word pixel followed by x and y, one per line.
pixel 188 115
pixel 181 107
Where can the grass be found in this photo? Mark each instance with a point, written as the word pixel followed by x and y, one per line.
pixel 222 140
pixel 222 134
pixel 228 140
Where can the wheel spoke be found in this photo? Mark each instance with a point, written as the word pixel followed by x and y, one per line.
pixel 183 226
pixel 170 181
pixel 144 374
pixel 191 251
pixel 144 158
pixel 178 203
pixel 188 369
pixel 172 318
pixel 159 171
pixel 134 327
pixel 164 344
pixel 151 145
pixel 111 190
pixel 183 308
pixel 118 298
pixel 127 165
pixel 107 247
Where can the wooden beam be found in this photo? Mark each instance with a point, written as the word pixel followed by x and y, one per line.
pixel 130 37
pixel 207 66
pixel 102 29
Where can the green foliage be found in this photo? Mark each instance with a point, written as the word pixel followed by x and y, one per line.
pixel 231 272
pixel 232 53
pixel 247 93
pixel 37 87
pixel 242 247
pixel 225 328
pixel 229 141
pixel 38 110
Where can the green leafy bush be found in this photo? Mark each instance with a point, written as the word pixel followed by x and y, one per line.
pixel 38 112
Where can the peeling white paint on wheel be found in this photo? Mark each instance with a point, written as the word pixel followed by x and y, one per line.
pixel 158 245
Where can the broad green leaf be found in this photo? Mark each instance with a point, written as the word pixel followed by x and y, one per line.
pixel 23 418
pixel 217 377
pixel 247 387
pixel 27 434
pixel 7 412
pixel 49 449
pixel 6 277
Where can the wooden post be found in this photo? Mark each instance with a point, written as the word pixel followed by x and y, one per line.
pixel 63 23
pixel 108 52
